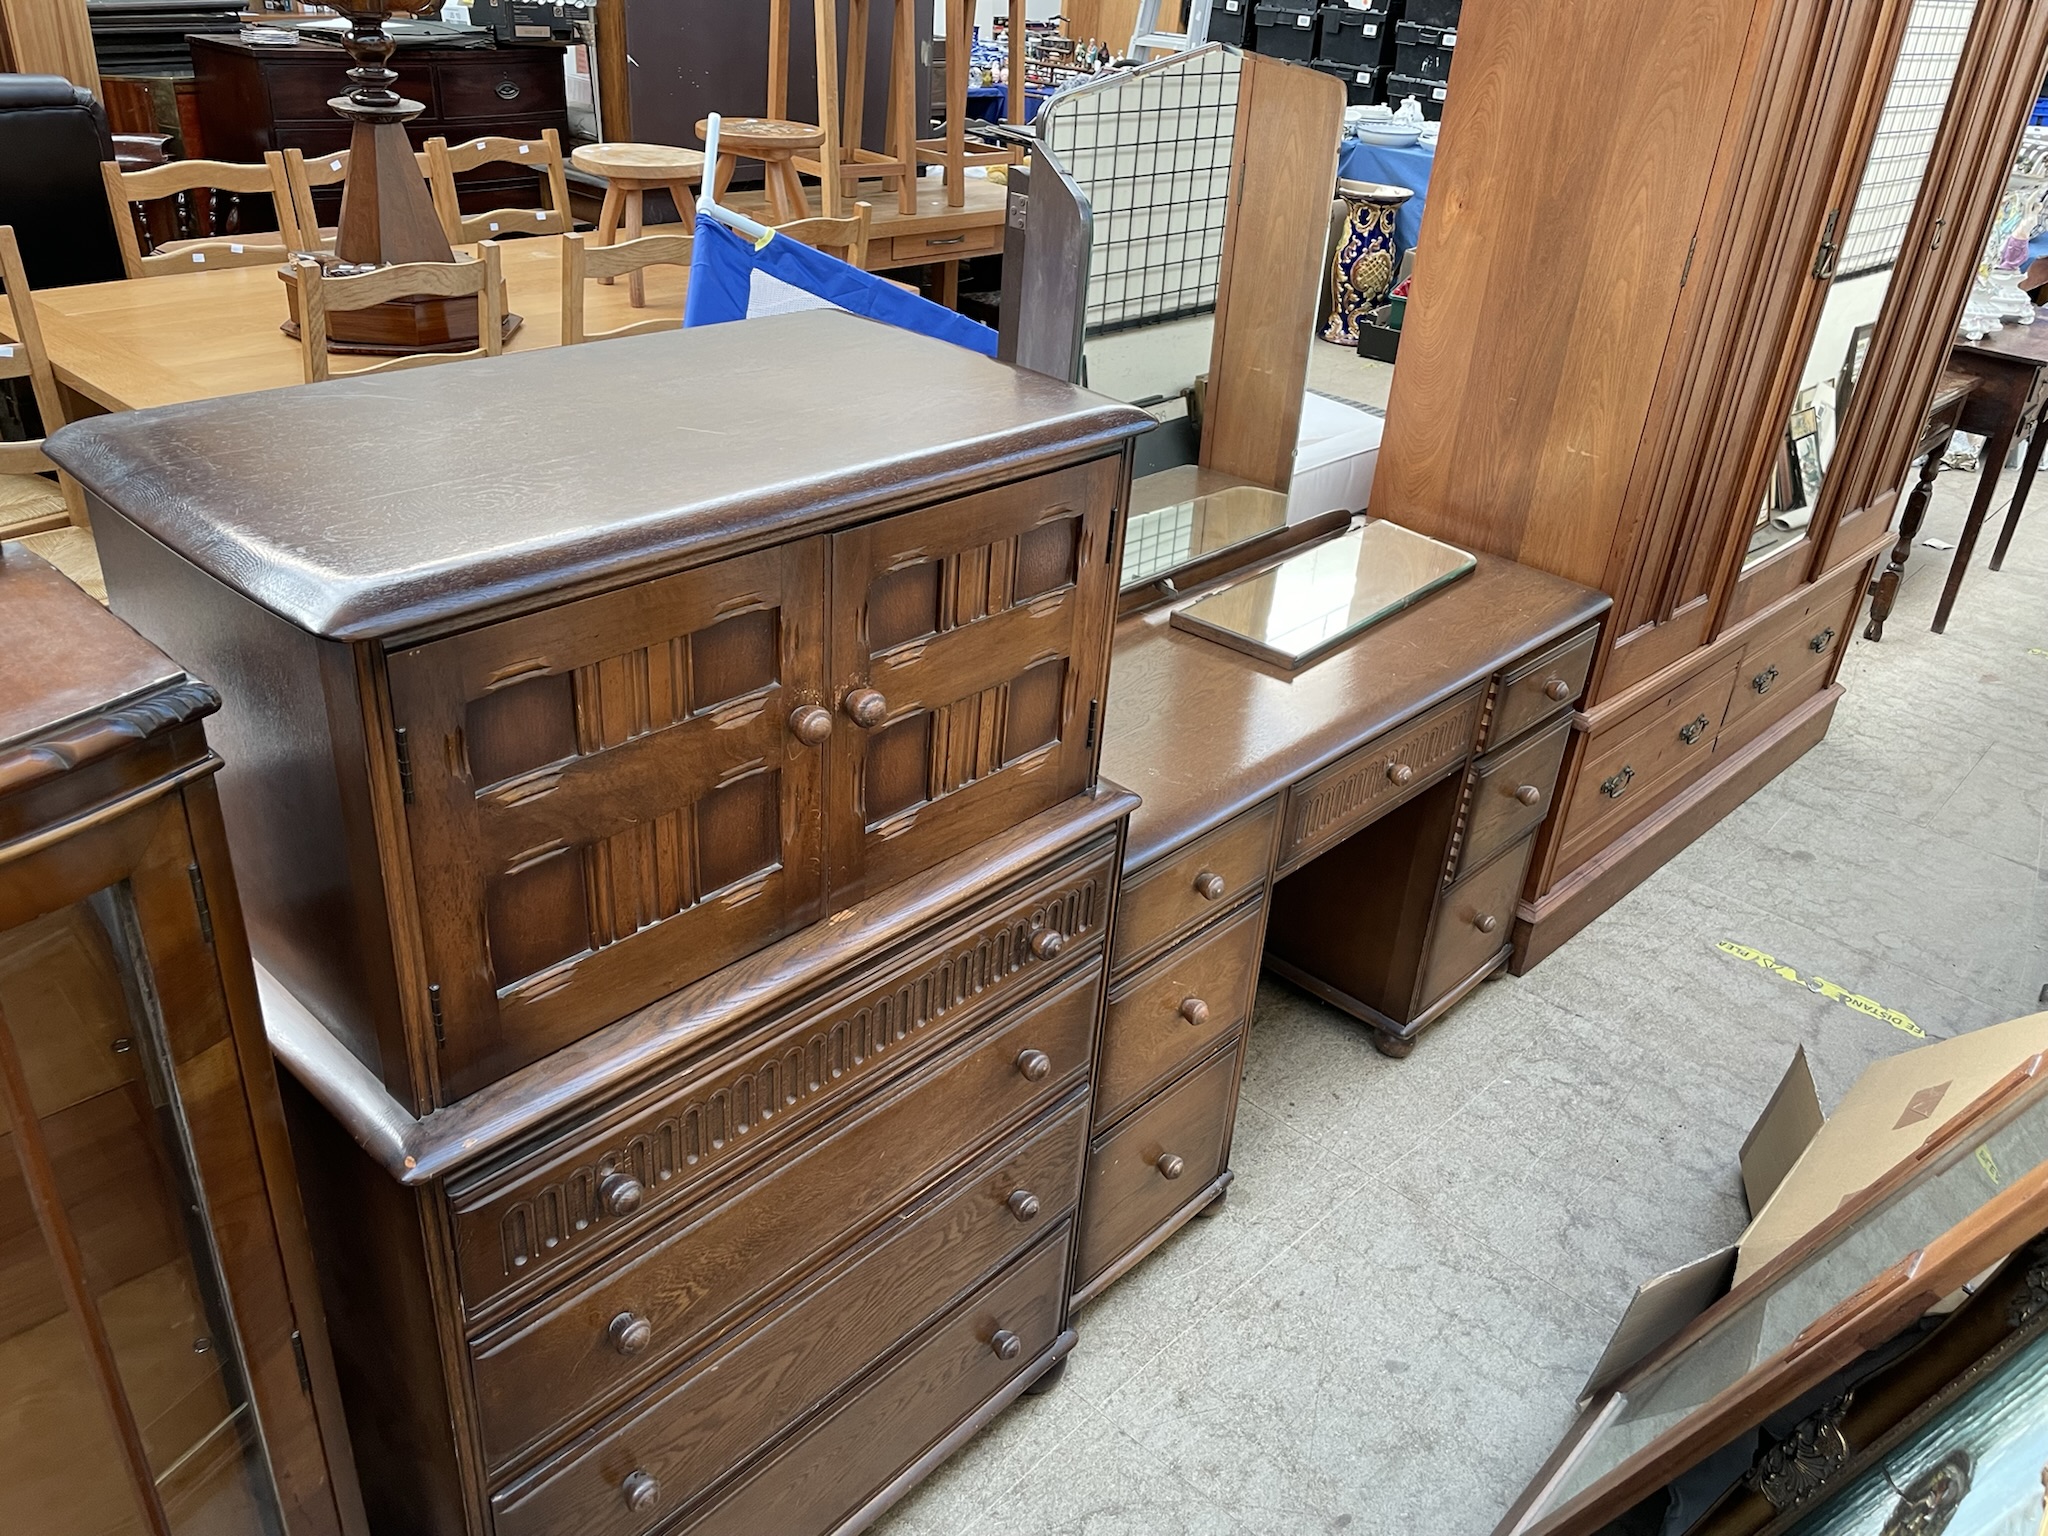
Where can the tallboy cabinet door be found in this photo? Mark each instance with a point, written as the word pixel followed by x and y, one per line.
pixel 609 800
pixel 968 653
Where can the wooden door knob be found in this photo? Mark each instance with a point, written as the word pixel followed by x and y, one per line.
pixel 811 725
pixel 1399 774
pixel 1195 1011
pixel 641 1490
pixel 621 1193
pixel 1528 794
pixel 1034 1065
pixel 865 707
pixel 1047 942
pixel 1007 1345
pixel 1023 1204
pixel 1209 885
pixel 1170 1166
pixel 630 1334
pixel 1486 922
pixel 1557 690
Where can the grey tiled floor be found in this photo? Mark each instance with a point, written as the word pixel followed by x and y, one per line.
pixel 1383 1330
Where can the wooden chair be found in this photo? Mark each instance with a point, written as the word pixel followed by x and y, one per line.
pixel 846 238
pixel 543 156
pixel 46 515
pixel 582 262
pixel 301 221
pixel 210 224
pixel 321 295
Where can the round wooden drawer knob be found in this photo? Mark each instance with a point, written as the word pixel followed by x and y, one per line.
pixel 1023 1204
pixel 1528 794
pixel 641 1490
pixel 1170 1166
pixel 1007 1345
pixel 811 725
pixel 1486 922
pixel 1209 885
pixel 621 1193
pixel 1557 690
pixel 1034 1065
pixel 1047 942
pixel 865 707
pixel 1399 774
pixel 1195 1011
pixel 630 1334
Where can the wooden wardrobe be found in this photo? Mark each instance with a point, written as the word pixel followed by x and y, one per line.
pixel 1636 226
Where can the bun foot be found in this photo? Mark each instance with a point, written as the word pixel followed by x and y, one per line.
pixel 1049 1380
pixel 1392 1045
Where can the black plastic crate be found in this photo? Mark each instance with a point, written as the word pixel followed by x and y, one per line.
pixel 1230 21
pixel 1285 34
pixel 1429 92
pixel 1377 341
pixel 1360 81
pixel 1424 53
pixel 1292 7
pixel 1345 36
pixel 1434 13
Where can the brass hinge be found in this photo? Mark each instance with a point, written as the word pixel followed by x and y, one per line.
pixel 1094 706
pixel 1109 537
pixel 404 764
pixel 1686 271
pixel 299 1355
pixel 434 1007
pixel 199 901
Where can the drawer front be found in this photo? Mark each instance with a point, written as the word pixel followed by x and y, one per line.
pixel 301 88
pixel 1511 794
pixel 517 1225
pixel 1626 769
pixel 1787 657
pixel 1182 1133
pixel 970 642
pixel 946 247
pixel 1177 1009
pixel 548 1367
pixel 507 82
pixel 811 1485
pixel 1203 879
pixel 1474 922
pixel 1329 806
pixel 1542 687
pixel 683 1441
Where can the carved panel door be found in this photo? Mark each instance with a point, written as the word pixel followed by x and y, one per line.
pixel 968 662
pixel 609 800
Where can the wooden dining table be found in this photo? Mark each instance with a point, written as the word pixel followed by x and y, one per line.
pixel 192 336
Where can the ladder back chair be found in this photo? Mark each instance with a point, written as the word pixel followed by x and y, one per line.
pixel 846 238
pixel 301 220
pixel 542 156
pixel 321 295
pixel 583 262
pixel 46 515
pixel 206 210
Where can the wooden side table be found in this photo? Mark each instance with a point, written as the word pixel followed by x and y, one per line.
pixel 2005 404
pixel 629 171
pixel 1944 416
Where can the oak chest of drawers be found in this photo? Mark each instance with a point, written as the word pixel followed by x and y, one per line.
pixel 681 892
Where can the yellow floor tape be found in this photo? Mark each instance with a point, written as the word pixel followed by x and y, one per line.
pixel 1827 989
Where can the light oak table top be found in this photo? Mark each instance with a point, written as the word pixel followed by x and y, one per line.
pixel 192 336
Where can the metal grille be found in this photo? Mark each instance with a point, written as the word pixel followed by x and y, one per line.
pixel 1913 108
pixel 1150 149
pixel 1159 541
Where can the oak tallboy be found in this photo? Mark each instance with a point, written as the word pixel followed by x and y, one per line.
pixel 680 889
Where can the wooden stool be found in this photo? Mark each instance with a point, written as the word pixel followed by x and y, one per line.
pixel 776 144
pixel 628 171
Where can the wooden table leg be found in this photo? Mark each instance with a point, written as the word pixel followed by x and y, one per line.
pixel 1885 590
pixel 608 219
pixel 636 282
pixel 949 283
pixel 1997 448
pixel 2031 463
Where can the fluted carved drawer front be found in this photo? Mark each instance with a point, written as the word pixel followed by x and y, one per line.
pixel 598 1187
pixel 1155 1162
pixel 969 646
pixel 1362 786
pixel 1474 922
pixel 1544 686
pixel 648 1310
pixel 1176 1009
pixel 678 1442
pixel 1203 879
pixel 855 1450
pixel 608 801
pixel 1511 794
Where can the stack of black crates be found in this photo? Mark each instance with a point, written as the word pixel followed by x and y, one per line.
pixel 1383 50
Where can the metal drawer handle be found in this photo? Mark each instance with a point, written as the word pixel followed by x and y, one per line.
pixel 1763 680
pixel 1195 1011
pixel 1023 1204
pixel 507 91
pixel 1209 885
pixel 1034 1065
pixel 641 1490
pixel 629 1334
pixel 948 240
pixel 1047 943
pixel 1528 794
pixel 1007 1345
pixel 1692 733
pixel 1613 788
pixel 1557 690
pixel 1821 641
pixel 1170 1167
pixel 621 1193
pixel 1399 774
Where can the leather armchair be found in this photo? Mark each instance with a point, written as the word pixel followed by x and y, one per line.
pixel 53 136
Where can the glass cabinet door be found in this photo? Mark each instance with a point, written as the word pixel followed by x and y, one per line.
pixel 124 1403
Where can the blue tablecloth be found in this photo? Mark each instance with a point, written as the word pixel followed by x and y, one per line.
pixel 1359 161
pixel 991 103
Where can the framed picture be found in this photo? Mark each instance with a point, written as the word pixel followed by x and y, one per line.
pixel 1803 435
pixel 1852 370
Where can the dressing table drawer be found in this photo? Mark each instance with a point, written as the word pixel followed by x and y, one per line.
pixel 1176 1009
pixel 1474 923
pixel 1511 794
pixel 964 242
pixel 1200 881
pixel 1542 686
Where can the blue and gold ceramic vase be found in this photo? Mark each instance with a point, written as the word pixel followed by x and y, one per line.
pixel 1363 269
